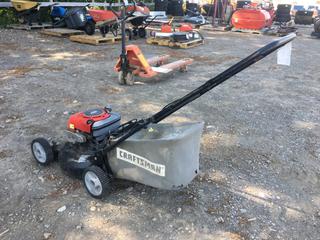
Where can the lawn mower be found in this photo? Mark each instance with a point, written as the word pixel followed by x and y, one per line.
pixel 27 11
pixel 164 156
pixel 73 18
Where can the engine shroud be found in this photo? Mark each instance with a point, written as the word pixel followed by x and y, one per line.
pixel 98 123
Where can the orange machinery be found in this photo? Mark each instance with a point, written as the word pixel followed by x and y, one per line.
pixel 252 17
pixel 147 68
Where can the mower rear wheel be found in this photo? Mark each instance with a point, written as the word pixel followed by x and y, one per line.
pixel 42 151
pixel 96 181
pixel 90 28
pixel 125 78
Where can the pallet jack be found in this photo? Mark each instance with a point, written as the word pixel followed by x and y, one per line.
pixel 133 63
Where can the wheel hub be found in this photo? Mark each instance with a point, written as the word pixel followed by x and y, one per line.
pixel 39 152
pixel 93 183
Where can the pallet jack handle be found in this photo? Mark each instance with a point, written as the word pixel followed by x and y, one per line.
pixel 135 126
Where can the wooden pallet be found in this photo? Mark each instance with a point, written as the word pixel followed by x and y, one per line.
pixel 95 39
pixel 28 28
pixel 170 43
pixel 213 28
pixel 246 31
pixel 61 32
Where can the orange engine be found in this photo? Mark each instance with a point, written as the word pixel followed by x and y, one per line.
pixel 99 123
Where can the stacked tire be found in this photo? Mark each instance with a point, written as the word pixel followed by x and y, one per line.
pixel 241 4
pixel 192 8
pixel 303 17
pixel 317 25
pixel 283 13
pixel 161 5
pixel 175 8
pixel 210 9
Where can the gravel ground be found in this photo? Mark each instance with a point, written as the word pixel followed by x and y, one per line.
pixel 260 148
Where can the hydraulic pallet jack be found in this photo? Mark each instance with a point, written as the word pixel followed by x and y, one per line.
pixel 144 150
pixel 133 63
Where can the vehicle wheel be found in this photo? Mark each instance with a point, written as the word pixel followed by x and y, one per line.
pixel 129 80
pixel 142 32
pixel 21 20
pixel 90 28
pixel 128 34
pixel 96 181
pixel 125 79
pixel 114 29
pixel 317 26
pixel 42 151
pixel 135 32
pixel 121 79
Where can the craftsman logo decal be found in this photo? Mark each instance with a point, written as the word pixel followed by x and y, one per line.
pixel 141 162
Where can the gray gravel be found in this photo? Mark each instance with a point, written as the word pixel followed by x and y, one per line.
pixel 260 150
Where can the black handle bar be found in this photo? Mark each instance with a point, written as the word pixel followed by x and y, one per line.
pixel 207 86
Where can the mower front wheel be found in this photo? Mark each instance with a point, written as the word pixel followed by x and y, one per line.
pixel 96 181
pixel 42 151
pixel 125 78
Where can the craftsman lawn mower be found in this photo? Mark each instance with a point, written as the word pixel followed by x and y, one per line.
pixel 164 156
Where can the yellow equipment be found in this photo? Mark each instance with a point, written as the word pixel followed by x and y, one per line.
pixel 27 11
pixel 22 5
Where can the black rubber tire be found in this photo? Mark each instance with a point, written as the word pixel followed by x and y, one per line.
pixel 68 153
pixel 317 26
pixel 134 32
pixel 103 178
pixel 22 20
pixel 128 34
pixel 142 32
pixel 90 28
pixel 125 80
pixel 47 149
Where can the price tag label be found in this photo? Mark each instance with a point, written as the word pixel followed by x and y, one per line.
pixel 284 54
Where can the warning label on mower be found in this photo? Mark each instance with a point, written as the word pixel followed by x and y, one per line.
pixel 141 162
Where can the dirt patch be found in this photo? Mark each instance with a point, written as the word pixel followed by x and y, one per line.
pixel 15 72
pixel 5 154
